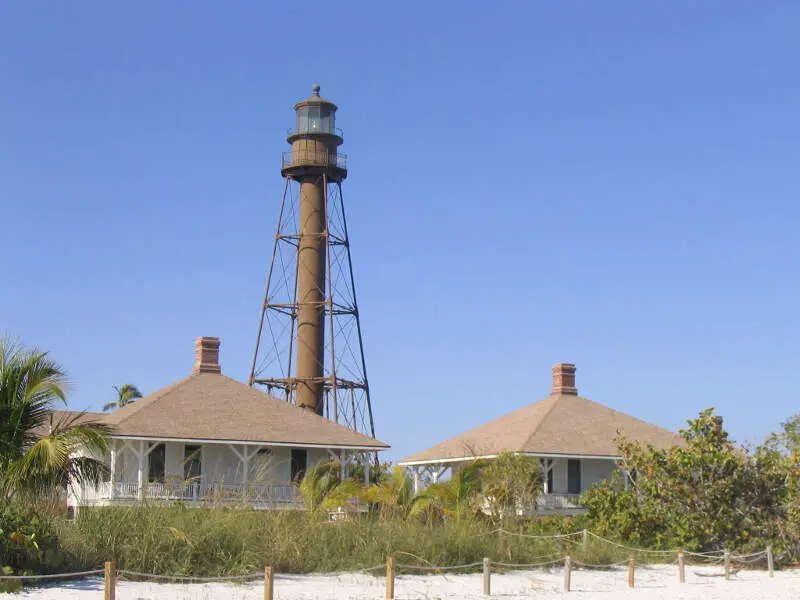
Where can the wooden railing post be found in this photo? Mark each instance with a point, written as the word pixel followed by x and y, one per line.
pixel 567 574
pixel 110 580
pixel 487 575
pixel 770 562
pixel 727 564
pixel 631 566
pixel 390 578
pixel 585 540
pixel 681 568
pixel 268 584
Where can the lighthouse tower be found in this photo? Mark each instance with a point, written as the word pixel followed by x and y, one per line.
pixel 309 348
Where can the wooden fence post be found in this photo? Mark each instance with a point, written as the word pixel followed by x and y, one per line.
pixel 631 566
pixel 487 577
pixel 567 574
pixel 681 568
pixel 585 540
pixel 268 584
pixel 390 578
pixel 770 562
pixel 727 564
pixel 110 577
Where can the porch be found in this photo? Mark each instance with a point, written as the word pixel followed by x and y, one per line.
pixel 254 495
pixel 204 473
pixel 564 478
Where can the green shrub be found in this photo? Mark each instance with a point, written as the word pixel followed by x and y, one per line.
pixel 28 543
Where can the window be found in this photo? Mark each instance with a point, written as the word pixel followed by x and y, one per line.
pixel 573 477
pixel 315 119
pixel 156 464
pixel 299 463
pixel 192 467
pixel 550 481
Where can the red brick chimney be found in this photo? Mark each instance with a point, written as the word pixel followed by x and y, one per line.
pixel 564 380
pixel 206 355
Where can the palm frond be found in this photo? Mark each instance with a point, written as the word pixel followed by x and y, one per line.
pixel 38 456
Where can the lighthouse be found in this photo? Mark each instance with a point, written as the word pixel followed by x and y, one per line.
pixel 309 347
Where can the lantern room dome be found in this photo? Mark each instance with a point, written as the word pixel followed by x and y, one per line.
pixel 315 114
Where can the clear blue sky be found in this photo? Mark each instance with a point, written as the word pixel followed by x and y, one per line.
pixel 613 184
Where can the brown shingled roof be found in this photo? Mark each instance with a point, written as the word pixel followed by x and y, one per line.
pixel 210 406
pixel 68 416
pixel 565 424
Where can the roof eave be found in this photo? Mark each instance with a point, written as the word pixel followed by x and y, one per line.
pixel 376 448
pixel 434 461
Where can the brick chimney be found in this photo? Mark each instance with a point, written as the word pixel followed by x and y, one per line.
pixel 564 380
pixel 206 355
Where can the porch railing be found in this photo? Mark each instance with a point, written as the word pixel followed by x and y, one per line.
pixel 558 502
pixel 197 492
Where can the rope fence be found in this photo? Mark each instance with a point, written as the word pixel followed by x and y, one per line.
pixel 730 562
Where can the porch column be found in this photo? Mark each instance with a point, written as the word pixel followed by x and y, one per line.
pixel 245 467
pixel 112 479
pixel 366 457
pixel 543 462
pixel 141 456
pixel 437 472
pixel 415 474
pixel 244 461
pixel 343 470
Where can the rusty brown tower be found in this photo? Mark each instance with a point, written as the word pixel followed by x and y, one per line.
pixel 309 348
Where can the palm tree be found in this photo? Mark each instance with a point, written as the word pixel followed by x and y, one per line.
pixel 458 496
pixel 126 393
pixel 319 481
pixel 392 494
pixel 38 455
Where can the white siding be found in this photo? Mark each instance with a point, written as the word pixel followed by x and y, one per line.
pixel 592 471
pixel 595 471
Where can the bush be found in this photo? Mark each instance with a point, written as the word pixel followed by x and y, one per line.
pixel 28 543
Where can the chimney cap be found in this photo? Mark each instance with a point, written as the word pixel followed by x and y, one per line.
pixel 564 380
pixel 206 356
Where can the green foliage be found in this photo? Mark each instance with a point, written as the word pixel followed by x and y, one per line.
pixel 458 497
pixel 510 485
pixel 126 393
pixel 40 457
pixel 28 543
pixel 224 541
pixel 391 496
pixel 705 494
pixel 319 481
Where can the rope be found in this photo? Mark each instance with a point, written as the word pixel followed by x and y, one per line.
pixel 749 560
pixel 741 556
pixel 375 568
pixel 191 579
pixel 630 547
pixel 452 568
pixel 527 565
pixel 540 537
pixel 705 554
pixel 55 576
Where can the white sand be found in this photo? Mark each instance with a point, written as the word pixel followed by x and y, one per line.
pixel 658 582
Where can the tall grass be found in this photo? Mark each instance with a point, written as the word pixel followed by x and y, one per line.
pixel 181 541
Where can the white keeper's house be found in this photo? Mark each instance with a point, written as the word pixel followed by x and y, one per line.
pixel 574 439
pixel 209 439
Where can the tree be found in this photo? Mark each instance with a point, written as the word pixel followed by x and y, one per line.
pixel 319 481
pixel 126 393
pixel 451 499
pixel 39 455
pixel 706 493
pixel 510 484
pixel 392 494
